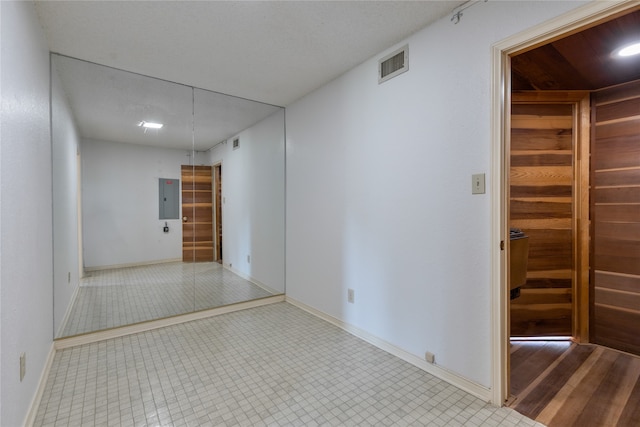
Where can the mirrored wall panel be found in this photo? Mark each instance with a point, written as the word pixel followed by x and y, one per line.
pixel 168 199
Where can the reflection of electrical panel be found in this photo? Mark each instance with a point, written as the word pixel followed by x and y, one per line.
pixel 169 198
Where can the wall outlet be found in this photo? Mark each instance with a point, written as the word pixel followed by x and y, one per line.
pixel 23 365
pixel 350 296
pixel 430 357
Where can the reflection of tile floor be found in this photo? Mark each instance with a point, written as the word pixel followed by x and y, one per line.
pixel 274 365
pixel 118 297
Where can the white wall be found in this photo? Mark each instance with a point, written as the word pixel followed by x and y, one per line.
pixel 26 302
pixel 65 146
pixel 379 191
pixel 120 203
pixel 253 212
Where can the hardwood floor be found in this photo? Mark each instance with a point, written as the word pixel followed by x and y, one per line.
pixel 564 384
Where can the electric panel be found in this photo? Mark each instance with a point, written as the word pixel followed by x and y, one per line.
pixel 169 198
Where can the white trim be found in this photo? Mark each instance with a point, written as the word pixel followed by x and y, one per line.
pixel 133 264
pixel 161 323
pixel 498 305
pixel 42 383
pixel 451 377
pixel 572 20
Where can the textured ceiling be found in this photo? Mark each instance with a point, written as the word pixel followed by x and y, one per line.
pixel 273 52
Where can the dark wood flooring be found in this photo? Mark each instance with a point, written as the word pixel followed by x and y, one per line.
pixel 565 384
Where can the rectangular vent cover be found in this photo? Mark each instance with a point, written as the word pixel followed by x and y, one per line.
pixel 393 64
pixel 236 143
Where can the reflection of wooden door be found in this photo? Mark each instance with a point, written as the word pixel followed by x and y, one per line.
pixel 615 319
pixel 217 194
pixel 197 227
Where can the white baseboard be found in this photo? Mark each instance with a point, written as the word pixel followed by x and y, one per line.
pixel 42 383
pixel 252 280
pixel 161 323
pixel 133 264
pixel 452 378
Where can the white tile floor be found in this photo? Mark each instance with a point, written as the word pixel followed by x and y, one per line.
pixel 118 297
pixel 274 365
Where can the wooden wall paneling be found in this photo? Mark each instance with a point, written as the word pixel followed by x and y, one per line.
pixel 618 281
pixel 547 197
pixel 541 178
pixel 616 93
pixel 621 213
pixel 618 110
pixel 615 305
pixel 617 152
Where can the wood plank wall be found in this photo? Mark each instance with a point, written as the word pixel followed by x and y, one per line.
pixel 615 210
pixel 541 205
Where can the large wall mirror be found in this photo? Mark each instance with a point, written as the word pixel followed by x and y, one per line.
pixel 152 222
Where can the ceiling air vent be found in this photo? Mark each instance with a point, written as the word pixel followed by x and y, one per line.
pixel 236 143
pixel 393 64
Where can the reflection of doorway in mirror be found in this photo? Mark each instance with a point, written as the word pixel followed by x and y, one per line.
pixel 197 214
pixel 217 212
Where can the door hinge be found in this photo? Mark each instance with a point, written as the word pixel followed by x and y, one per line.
pixel 502 245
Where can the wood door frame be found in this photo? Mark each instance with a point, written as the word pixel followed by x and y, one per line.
pixel 571 21
pixel 217 209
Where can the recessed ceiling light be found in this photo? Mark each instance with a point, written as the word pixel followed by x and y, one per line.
pixel 150 125
pixel 628 50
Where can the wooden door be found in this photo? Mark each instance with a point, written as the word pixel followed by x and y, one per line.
pixel 197 214
pixel 217 194
pixel 545 203
pixel 615 274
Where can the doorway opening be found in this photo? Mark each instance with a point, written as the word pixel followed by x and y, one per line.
pixel 549 203
pixel 567 292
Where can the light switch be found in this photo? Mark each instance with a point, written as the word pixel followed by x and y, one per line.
pixel 477 183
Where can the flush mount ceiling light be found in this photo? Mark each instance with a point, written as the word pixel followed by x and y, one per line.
pixel 150 125
pixel 628 50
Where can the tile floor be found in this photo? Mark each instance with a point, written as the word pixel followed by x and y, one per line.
pixel 274 365
pixel 118 297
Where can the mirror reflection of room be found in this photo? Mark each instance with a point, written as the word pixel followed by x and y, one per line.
pixel 168 199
